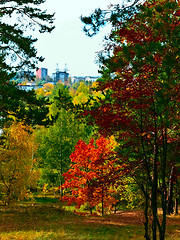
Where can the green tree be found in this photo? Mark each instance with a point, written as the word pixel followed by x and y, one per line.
pixel 82 93
pixel 21 105
pixel 60 98
pixel 57 142
pixel 115 13
pixel 17 52
pixel 15 45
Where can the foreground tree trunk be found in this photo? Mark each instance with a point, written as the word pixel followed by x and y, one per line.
pixel 146 224
pixel 176 199
pixel 154 191
pixel 170 193
pixel 176 206
pixel 102 202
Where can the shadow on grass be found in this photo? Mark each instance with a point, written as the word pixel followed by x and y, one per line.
pixel 45 218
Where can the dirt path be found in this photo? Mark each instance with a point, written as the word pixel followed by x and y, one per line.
pixel 128 218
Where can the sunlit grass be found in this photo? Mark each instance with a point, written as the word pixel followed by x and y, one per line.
pixel 47 219
pixel 71 233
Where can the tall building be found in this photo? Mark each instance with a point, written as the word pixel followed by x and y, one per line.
pixel 42 73
pixel 60 75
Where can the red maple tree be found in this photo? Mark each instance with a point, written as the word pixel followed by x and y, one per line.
pixel 93 171
pixel 140 83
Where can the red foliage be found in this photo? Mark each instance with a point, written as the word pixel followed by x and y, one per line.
pixel 93 170
pixel 142 92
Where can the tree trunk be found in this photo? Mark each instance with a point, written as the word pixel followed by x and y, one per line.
pixel 146 224
pixel 170 193
pixel 90 209
pixel 176 199
pixel 162 227
pixel 8 200
pixel 102 201
pixel 154 193
pixel 154 210
pixel 176 205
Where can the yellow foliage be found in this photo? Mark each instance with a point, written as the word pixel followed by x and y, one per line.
pixel 113 142
pixel 48 88
pixel 16 156
pixel 95 84
pixel 80 98
pixel 40 92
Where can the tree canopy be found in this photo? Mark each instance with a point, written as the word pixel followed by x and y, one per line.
pixel 140 82
pixel 16 166
pixel 17 17
pixel 115 13
pixel 17 52
pixel 93 170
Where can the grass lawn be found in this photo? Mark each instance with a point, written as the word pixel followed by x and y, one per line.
pixel 46 219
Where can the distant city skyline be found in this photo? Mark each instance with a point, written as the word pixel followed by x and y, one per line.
pixel 38 72
pixel 68 44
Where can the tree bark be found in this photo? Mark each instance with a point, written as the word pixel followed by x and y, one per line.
pixel 102 201
pixel 176 206
pixel 146 224
pixel 154 191
pixel 176 199
pixel 170 193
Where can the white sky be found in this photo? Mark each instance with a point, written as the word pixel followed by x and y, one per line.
pixel 68 44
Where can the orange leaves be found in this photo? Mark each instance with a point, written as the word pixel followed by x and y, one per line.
pixel 93 172
pixel 157 58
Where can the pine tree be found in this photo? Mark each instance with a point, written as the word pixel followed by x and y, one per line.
pixel 16 53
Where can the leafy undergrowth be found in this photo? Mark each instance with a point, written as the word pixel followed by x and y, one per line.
pixel 47 219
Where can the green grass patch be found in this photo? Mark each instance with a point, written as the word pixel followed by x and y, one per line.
pixel 45 200
pixel 47 219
